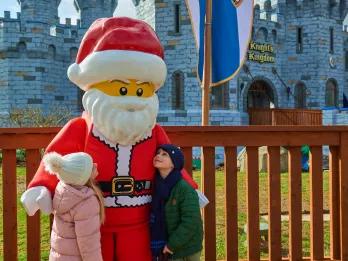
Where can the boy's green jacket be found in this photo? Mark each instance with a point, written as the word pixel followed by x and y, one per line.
pixel 183 221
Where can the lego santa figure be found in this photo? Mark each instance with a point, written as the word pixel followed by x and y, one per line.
pixel 120 67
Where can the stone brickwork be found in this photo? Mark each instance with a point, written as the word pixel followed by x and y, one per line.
pixel 275 24
pixel 35 52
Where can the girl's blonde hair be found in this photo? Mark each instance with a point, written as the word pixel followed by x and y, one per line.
pixel 93 185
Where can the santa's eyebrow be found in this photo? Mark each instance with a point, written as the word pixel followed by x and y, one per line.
pixel 140 82
pixel 121 81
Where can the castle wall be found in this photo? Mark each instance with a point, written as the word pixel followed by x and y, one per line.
pixel 35 52
pixel 312 66
pixel 181 55
pixel 36 60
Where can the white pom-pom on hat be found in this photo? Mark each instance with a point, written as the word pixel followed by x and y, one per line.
pixel 74 168
pixel 53 162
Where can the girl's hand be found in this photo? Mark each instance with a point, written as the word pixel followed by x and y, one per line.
pixel 167 250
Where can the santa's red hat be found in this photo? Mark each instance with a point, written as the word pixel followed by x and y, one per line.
pixel 119 48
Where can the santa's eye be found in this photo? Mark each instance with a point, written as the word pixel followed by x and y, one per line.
pixel 140 92
pixel 123 91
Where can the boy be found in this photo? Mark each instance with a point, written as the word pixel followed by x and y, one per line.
pixel 176 224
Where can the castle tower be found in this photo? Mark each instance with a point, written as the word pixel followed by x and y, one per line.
pixel 90 10
pixel 45 11
pixel 314 41
pixel 343 8
pixel 35 55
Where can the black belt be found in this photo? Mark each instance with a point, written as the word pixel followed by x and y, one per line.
pixel 124 185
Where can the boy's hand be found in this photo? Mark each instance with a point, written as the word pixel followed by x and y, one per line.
pixel 167 250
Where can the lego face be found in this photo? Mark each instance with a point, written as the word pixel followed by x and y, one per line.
pixel 126 88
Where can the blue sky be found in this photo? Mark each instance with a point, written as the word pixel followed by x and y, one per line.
pixel 66 9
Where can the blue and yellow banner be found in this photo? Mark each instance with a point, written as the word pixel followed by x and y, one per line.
pixel 231 31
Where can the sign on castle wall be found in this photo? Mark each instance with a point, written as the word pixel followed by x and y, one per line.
pixel 261 52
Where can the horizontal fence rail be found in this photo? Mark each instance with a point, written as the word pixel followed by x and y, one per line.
pixel 208 138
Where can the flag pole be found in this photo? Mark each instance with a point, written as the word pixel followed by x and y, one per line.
pixel 207 64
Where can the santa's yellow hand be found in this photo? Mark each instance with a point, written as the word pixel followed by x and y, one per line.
pixel 129 88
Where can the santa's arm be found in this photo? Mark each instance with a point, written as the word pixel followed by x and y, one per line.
pixel 71 138
pixel 162 138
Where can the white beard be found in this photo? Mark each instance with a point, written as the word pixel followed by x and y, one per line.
pixel 121 119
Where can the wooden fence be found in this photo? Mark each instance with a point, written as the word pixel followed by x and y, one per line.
pixel 208 138
pixel 285 117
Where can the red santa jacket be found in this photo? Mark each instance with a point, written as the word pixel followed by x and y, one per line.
pixel 125 172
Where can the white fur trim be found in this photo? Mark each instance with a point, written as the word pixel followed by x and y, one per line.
pixel 126 201
pixel 98 134
pixel 118 64
pixel 123 160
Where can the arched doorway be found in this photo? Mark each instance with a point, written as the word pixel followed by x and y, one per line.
pixel 300 95
pixel 260 95
pixel 331 93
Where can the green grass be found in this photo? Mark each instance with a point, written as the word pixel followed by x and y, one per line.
pixel 21 223
pixel 220 215
pixel 263 201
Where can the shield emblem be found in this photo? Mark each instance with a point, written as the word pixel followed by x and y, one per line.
pixel 237 3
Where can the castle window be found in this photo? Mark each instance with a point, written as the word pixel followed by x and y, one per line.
pixel 346 60
pixel 300 95
pixel 22 47
pixel 274 36
pixel 73 33
pixel 332 50
pixel 299 41
pixel 177 18
pixel 220 97
pixel 262 35
pixel 331 93
pixel 178 80
pixel 52 51
pixel 73 53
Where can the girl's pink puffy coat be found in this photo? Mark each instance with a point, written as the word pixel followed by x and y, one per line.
pixel 76 226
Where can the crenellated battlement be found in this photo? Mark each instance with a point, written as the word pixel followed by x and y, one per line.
pixel 9 24
pixel 7 15
pixel 266 12
pixel 70 22
pixel 332 9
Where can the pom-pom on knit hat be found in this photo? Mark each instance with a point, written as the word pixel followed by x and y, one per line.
pixel 73 169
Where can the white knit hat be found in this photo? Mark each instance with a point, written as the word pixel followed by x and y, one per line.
pixel 74 168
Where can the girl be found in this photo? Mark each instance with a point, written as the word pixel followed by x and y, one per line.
pixel 176 224
pixel 77 207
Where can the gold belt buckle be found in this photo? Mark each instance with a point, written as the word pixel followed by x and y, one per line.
pixel 122 186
